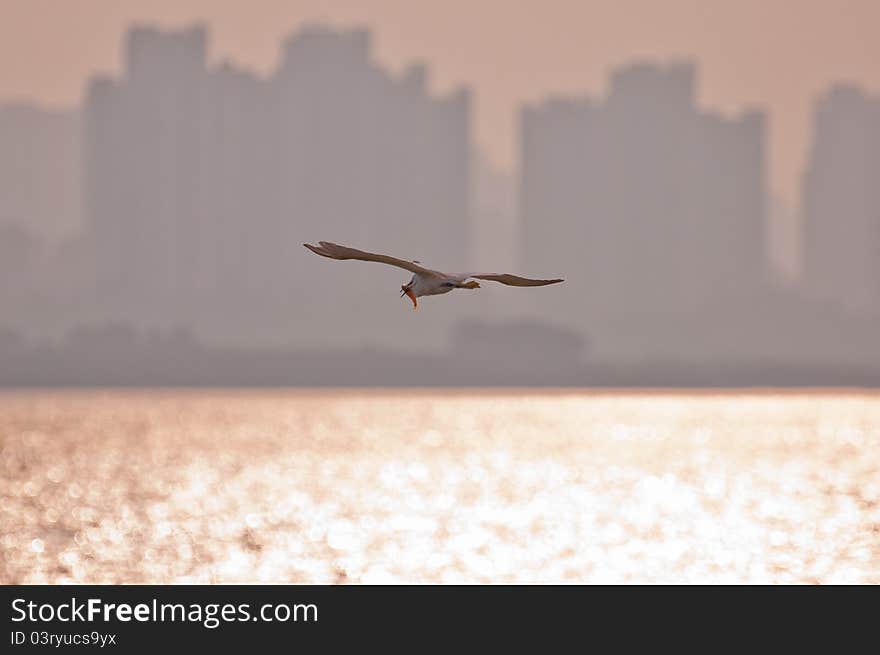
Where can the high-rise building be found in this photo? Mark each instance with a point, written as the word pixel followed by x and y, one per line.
pixel 203 181
pixel 145 183
pixel 653 209
pixel 841 201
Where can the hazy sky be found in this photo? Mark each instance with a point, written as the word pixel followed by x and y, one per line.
pixel 779 54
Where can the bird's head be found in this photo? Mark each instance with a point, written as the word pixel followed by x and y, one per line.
pixel 406 290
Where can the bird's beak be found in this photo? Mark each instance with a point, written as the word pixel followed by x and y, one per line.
pixel 406 291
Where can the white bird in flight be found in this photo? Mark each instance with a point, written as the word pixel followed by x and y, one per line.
pixel 424 282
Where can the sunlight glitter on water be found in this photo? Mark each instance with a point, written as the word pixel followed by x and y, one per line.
pixel 433 486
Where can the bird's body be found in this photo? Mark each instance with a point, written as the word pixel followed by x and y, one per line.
pixel 424 282
pixel 434 285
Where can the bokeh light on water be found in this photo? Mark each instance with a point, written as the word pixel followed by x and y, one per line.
pixel 432 486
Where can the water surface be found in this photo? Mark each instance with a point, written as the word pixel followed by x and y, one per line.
pixel 183 486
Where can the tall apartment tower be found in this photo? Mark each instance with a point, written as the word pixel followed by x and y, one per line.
pixel 841 201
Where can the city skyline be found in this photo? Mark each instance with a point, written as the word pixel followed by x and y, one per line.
pixel 751 53
pixel 199 180
pixel 61 215
pixel 842 256
pixel 658 206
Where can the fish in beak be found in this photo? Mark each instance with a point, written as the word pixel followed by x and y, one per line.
pixel 407 291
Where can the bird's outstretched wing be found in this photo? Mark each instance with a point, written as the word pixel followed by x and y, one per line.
pixel 514 280
pixel 335 251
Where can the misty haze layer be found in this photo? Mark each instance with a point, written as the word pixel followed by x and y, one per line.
pixel 162 224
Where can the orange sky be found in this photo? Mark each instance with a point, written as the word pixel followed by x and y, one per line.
pixel 779 54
